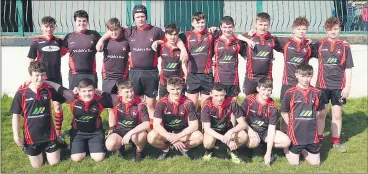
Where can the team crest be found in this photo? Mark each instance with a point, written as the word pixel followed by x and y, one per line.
pixel 94 109
pixel 151 39
pixel 269 44
pixel 45 97
pixel 305 50
pixel 338 51
pixel 134 112
pixel 91 41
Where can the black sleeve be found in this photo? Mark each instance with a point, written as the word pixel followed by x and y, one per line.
pixel 65 41
pixel 273 116
pixel 285 103
pixel 106 100
pixel 216 34
pixel 280 43
pixel 57 96
pixel 236 110
pixel 205 114
pixel 315 48
pixel 32 53
pixel 97 35
pixel 191 111
pixel 243 49
pixel 16 106
pixel 244 106
pixel 159 109
pixel 349 58
pixel 183 38
pixel 160 34
pixel 320 106
pixel 143 111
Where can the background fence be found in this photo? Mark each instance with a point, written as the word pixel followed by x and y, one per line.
pixel 22 17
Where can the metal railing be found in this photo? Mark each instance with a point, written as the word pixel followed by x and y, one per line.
pixel 22 17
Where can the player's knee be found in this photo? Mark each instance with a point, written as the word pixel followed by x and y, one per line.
pixel 286 142
pixel 152 136
pixel 78 157
pixel 98 158
pixel 315 162
pixel 110 144
pixel 55 161
pixel 242 137
pixel 197 137
pixel 209 142
pixel 336 116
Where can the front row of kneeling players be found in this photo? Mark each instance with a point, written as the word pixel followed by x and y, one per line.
pixel 175 120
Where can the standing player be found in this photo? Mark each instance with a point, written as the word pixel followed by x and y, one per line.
pixel 259 59
pixel 129 123
pixel 115 63
pixel 175 121
pixel 87 129
pixel 171 62
pixel 334 78
pixel 299 108
pixel 143 60
pixel 261 115
pixel 216 115
pixel 33 101
pixel 226 50
pixel 82 51
pixel 48 49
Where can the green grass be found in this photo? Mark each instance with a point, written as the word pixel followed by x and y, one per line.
pixel 354 137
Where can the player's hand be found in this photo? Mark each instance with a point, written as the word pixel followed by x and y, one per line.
pixel 154 46
pixel 345 93
pixel 75 90
pixel 232 145
pixel 179 146
pixel 19 141
pixel 252 32
pixel 227 137
pixel 99 46
pixel 267 159
pixel 212 29
pixel 173 138
pixel 126 139
pixel 251 44
pixel 253 136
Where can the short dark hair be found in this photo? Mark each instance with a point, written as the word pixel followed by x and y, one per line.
pixel 170 28
pixel 36 66
pixel 198 16
pixel 113 24
pixel 301 21
pixel 265 82
pixel 227 20
pixel 263 17
pixel 218 87
pixel 124 84
pixel 331 22
pixel 47 20
pixel 85 83
pixel 304 69
pixel 80 14
pixel 174 81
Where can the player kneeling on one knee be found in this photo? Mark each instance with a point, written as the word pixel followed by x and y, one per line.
pixel 301 104
pixel 130 121
pixel 175 121
pixel 261 116
pixel 216 113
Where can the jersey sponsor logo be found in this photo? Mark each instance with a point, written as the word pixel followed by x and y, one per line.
pixel 251 110
pixel 292 48
pixel 142 49
pixel 83 51
pixel 228 57
pixel 79 107
pixel 257 123
pixel 199 49
pixel 50 48
pixel 325 49
pixel 38 110
pixel 171 65
pixel 263 54
pixel 115 57
pixel 174 122
pixel 220 48
pixel 29 99
pixel 332 60
pixel 42 42
pixel 84 118
pixel 126 123
pixel 220 126
pixel 71 43
pixel 296 60
pixel 306 113
pixel 133 40
pixel 192 40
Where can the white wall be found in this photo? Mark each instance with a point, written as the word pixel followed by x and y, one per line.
pixel 14 70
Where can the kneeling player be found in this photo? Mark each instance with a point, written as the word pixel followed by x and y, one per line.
pixel 33 101
pixel 129 123
pixel 261 115
pixel 216 114
pixel 87 130
pixel 175 121
pixel 301 103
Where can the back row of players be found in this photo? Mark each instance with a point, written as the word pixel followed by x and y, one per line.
pixel 132 53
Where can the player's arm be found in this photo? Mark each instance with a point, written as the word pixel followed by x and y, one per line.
pixel 238 113
pixel 285 107
pixel 32 53
pixel 157 120
pixel 271 131
pixel 348 72
pixel 16 109
pixel 184 68
pixel 192 121
pixel 314 48
pixel 206 123
pixel 66 93
pixel 245 39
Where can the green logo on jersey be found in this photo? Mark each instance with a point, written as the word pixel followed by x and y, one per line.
pixel 306 113
pixel 220 126
pixel 126 122
pixel 85 118
pixel 296 59
pixel 262 54
pixel 38 110
pixel 257 123
pixel 176 121
pixel 199 49
pixel 228 57
pixel 331 60
pixel 171 65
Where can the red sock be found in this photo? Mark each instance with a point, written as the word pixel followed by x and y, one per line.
pixel 335 140
pixel 59 121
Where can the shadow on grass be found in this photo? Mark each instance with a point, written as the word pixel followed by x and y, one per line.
pixel 352 125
